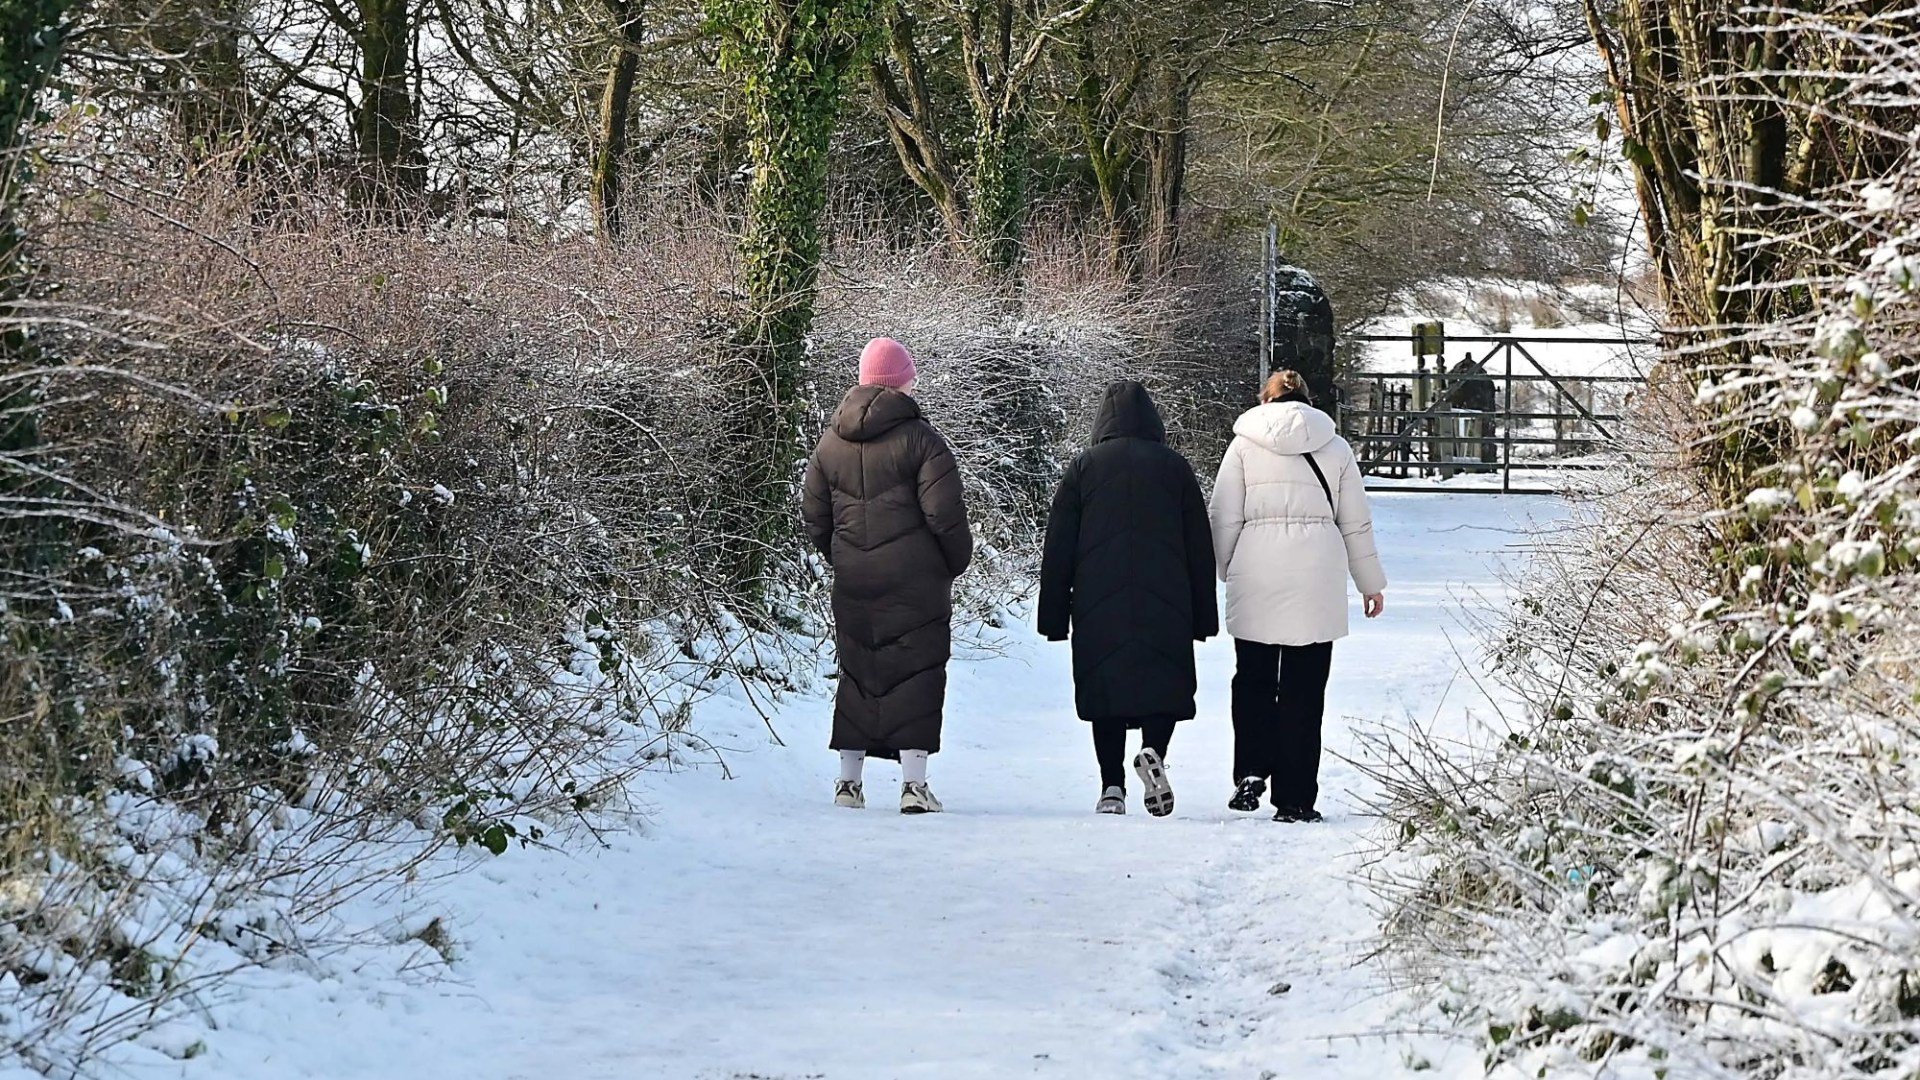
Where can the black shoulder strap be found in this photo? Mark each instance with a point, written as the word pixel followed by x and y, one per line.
pixel 1322 477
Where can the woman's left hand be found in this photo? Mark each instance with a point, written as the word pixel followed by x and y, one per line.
pixel 1375 603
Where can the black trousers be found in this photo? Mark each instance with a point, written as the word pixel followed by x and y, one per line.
pixel 1110 745
pixel 1279 696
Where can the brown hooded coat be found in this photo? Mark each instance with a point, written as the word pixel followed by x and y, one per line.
pixel 883 504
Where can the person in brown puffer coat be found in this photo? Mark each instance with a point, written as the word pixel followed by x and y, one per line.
pixel 883 505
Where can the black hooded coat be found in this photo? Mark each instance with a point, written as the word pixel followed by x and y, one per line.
pixel 882 503
pixel 1128 566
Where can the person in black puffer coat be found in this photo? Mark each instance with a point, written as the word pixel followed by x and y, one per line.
pixel 1128 569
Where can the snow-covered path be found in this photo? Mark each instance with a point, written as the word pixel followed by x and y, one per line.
pixel 754 930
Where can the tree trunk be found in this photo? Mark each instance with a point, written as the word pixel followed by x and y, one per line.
pixel 1114 185
pixel 1721 107
pixel 215 110
pixel 1100 108
pixel 32 540
pixel 610 161
pixel 1000 183
pixel 1166 153
pixel 793 57
pixel 1002 43
pixel 997 92
pixel 906 104
pixel 392 178
pixel 32 36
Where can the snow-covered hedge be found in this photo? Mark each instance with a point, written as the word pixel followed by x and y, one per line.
pixel 1013 382
pixel 1700 854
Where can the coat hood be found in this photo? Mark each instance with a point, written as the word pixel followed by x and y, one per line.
pixel 868 412
pixel 1286 427
pixel 1127 412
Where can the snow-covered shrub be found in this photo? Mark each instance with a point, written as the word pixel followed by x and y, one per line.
pixel 1012 381
pixel 1699 855
pixel 339 544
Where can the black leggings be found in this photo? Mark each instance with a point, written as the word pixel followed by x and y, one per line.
pixel 1279 694
pixel 1110 745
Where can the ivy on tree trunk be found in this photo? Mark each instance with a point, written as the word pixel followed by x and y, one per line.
pixel 1001 66
pixel 1002 43
pixel 1000 183
pixel 792 58
pixel 32 35
pixel 33 541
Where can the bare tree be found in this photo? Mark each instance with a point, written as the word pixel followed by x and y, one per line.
pixel 1001 45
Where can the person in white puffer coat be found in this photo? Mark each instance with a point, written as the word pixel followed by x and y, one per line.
pixel 1290 525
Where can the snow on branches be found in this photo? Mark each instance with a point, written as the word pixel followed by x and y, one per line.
pixel 1701 854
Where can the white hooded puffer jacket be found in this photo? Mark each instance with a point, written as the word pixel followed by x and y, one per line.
pixel 1280 547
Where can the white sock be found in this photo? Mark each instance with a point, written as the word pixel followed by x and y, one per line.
pixel 913 766
pixel 851 762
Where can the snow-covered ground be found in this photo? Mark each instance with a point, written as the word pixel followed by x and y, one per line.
pixel 751 929
pixel 1572 476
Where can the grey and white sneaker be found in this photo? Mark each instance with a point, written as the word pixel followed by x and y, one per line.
pixel 850 794
pixel 1112 801
pixel 1153 777
pixel 917 798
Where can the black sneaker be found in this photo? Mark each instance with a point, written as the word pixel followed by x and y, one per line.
pixel 1246 797
pixel 1297 814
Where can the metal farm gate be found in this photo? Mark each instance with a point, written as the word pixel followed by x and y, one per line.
pixel 1501 414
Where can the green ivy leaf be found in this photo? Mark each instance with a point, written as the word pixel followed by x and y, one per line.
pixel 495 837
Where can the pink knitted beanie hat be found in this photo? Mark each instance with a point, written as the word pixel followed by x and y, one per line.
pixel 886 362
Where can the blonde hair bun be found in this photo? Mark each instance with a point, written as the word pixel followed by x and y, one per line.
pixel 1283 382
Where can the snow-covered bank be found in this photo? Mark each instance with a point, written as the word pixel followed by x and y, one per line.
pixel 755 930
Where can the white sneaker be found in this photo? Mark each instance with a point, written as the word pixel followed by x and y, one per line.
pixel 1112 801
pixel 850 794
pixel 917 798
pixel 1153 776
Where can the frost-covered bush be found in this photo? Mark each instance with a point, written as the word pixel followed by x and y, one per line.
pixel 337 544
pixel 1012 381
pixel 1700 854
